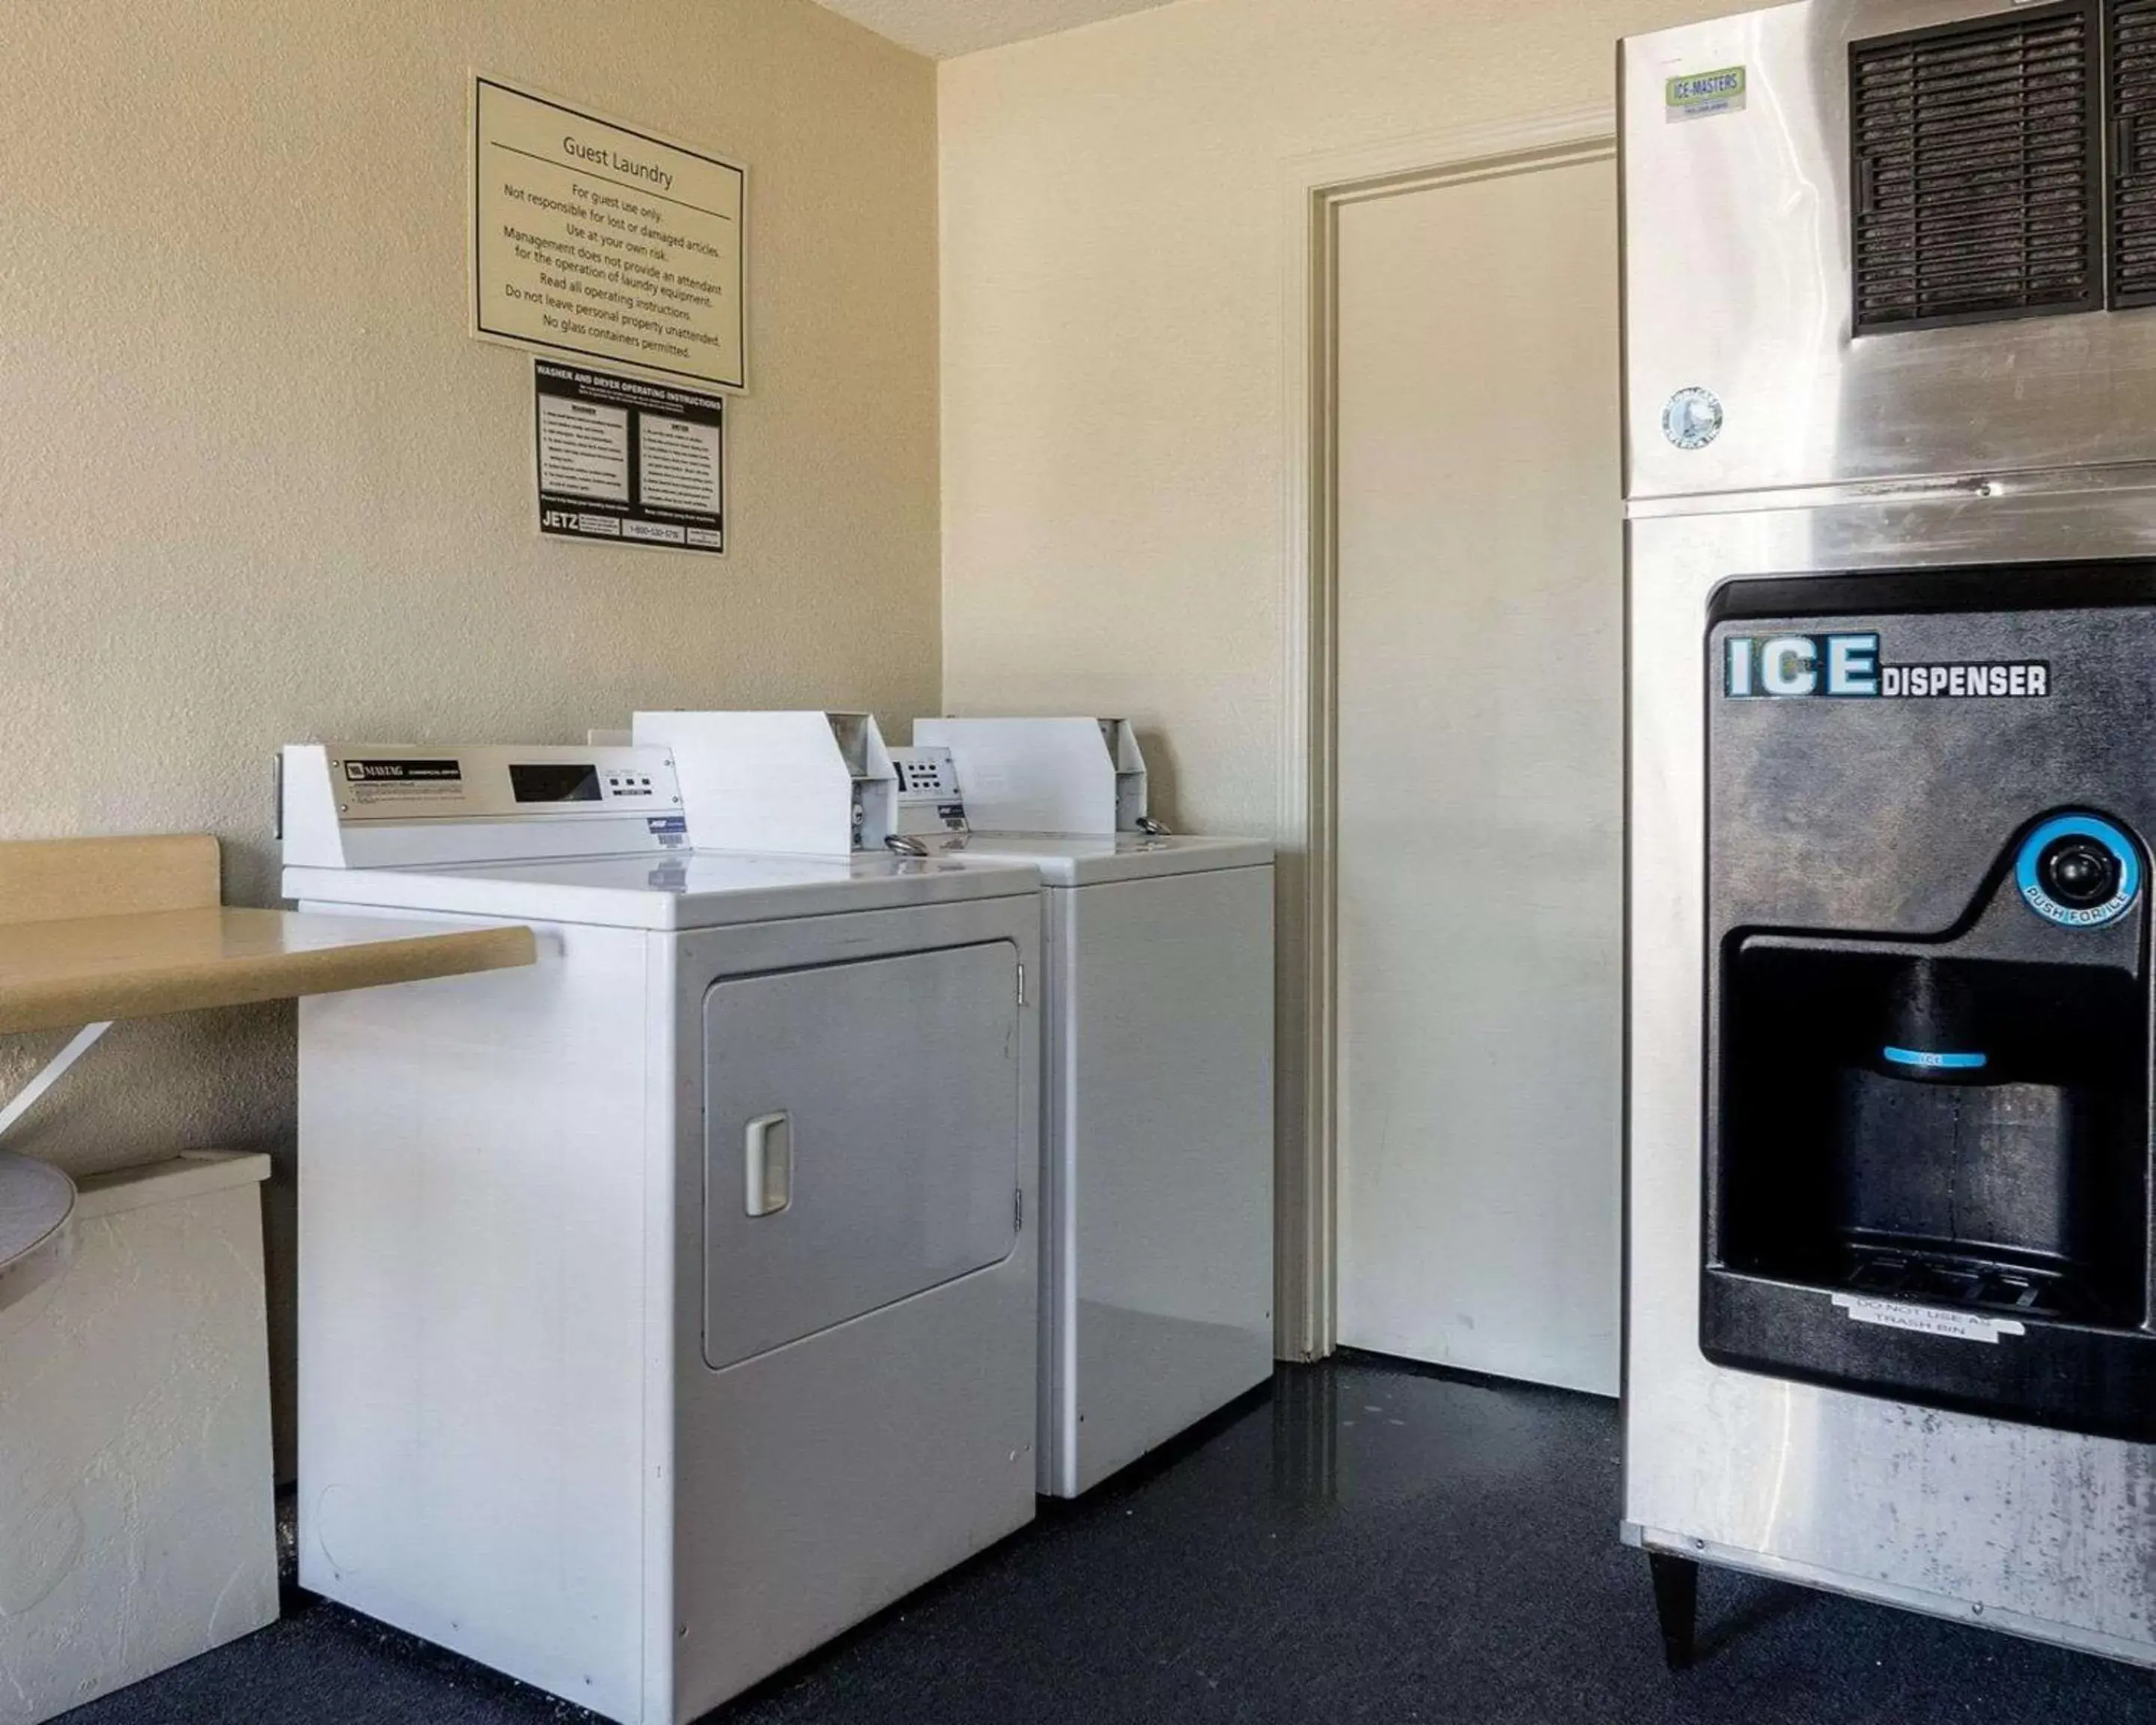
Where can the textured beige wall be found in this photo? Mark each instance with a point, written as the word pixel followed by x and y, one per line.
pixel 256 484
pixel 1113 249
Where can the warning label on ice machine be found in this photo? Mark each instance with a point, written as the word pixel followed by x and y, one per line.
pixel 1928 1320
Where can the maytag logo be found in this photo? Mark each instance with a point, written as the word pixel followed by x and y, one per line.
pixel 401 771
pixel 1848 667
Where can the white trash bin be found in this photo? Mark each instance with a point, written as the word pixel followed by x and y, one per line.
pixel 137 1485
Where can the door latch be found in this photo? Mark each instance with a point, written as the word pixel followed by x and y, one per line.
pixel 768 1163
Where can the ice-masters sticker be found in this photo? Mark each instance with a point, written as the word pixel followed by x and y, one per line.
pixel 1698 96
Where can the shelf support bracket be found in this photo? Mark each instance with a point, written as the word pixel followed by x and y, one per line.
pixel 54 1070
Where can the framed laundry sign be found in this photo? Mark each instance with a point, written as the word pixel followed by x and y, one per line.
pixel 602 240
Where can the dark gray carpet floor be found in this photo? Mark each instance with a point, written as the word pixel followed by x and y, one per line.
pixel 1366 1543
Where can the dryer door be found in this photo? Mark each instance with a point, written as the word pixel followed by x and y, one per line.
pixel 861 1139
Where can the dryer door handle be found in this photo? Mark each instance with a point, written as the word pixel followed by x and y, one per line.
pixel 767 1161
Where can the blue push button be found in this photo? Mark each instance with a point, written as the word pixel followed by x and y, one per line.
pixel 2078 871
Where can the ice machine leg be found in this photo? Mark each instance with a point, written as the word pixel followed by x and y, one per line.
pixel 1677 1605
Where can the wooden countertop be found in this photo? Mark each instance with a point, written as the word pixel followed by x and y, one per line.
pixel 80 969
pixel 36 1200
pixel 93 929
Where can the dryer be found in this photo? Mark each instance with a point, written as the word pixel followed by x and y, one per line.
pixel 668 1308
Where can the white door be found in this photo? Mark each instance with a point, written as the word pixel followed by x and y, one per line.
pixel 1480 775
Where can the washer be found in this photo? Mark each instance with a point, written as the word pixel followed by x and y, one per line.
pixel 1157 1287
pixel 669 1307
pixel 1157 1297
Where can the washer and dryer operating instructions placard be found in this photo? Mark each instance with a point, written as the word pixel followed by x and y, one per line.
pixel 628 461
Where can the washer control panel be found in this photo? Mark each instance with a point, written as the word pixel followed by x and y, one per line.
pixel 928 798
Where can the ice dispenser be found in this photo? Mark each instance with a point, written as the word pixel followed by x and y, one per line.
pixel 1929 1168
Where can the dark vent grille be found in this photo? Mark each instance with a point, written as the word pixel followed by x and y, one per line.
pixel 1975 147
pixel 2133 153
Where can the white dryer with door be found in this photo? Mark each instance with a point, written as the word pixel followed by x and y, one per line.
pixel 669 1307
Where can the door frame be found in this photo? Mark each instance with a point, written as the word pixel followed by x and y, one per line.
pixel 1317 188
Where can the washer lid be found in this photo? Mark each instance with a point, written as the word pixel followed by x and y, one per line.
pixel 1083 859
pixel 683 889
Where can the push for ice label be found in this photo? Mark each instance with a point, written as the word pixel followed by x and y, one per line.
pixel 1696 96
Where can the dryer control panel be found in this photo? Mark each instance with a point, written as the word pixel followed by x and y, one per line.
pixel 388 805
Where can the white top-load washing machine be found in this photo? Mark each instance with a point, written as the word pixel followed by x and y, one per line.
pixel 1157 1282
pixel 670 1306
pixel 1158 1077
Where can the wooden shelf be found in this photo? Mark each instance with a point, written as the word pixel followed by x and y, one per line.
pixel 93 929
pixel 80 969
